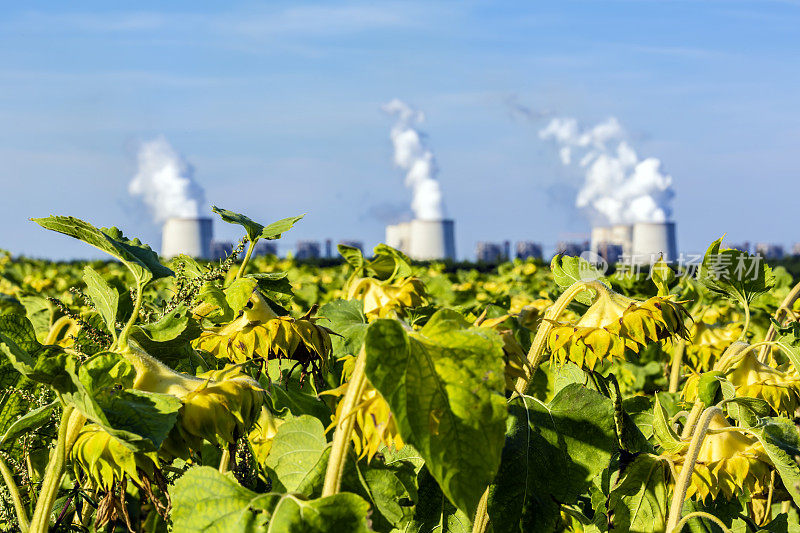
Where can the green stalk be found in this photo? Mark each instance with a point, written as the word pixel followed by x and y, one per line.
pixel 482 515
pixel 19 506
pixel 225 460
pixel 700 514
pixel 785 308
pixel 677 363
pixel 246 259
pixel 122 340
pixel 685 476
pixel 40 522
pixel 344 427
pixel 536 353
pixel 743 336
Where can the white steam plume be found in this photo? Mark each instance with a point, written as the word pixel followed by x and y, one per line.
pixel 411 154
pixel 619 188
pixel 165 182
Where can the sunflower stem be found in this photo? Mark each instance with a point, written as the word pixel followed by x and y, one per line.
pixel 677 363
pixel 699 514
pixel 344 427
pixel 40 522
pixel 785 308
pixel 225 460
pixel 685 476
pixel 250 248
pixel 481 523
pixel 122 340
pixel 19 506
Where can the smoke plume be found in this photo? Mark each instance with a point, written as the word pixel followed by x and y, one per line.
pixel 619 188
pixel 416 159
pixel 165 182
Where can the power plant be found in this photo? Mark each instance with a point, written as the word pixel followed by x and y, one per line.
pixel 423 239
pixel 642 242
pixel 190 236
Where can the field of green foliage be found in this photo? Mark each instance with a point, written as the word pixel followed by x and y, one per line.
pixel 258 394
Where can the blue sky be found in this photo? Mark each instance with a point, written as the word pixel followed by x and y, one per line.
pixel 278 109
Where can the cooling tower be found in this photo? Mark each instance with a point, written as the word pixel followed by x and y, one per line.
pixel 397 236
pixel 190 236
pixel 600 235
pixel 651 239
pixel 432 239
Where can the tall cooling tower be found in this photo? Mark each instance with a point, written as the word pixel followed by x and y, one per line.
pixel 622 234
pixel 398 236
pixel 600 235
pixel 190 236
pixel 651 239
pixel 432 239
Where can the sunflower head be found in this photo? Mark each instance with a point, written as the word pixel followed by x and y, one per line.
pixel 613 323
pixel 729 463
pixel 709 341
pixel 779 388
pixel 375 425
pixel 381 299
pixel 106 459
pixel 259 332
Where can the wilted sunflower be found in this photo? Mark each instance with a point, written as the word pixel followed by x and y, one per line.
pixel 779 387
pixel 613 323
pixel 708 342
pixel 375 426
pixel 381 299
pixel 261 332
pixel 106 459
pixel 262 434
pixel 729 463
pixel 223 408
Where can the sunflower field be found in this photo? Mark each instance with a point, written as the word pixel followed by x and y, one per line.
pixel 258 394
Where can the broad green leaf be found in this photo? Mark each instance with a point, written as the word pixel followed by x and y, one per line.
pixel 333 514
pixel 296 448
pixel 203 500
pixel 274 285
pixel 789 343
pixel 389 263
pixel 29 422
pixel 747 409
pixel 445 386
pixel 346 317
pixel 568 270
pixel 211 299
pixel 552 453
pixel 434 513
pixel 254 229
pixel 781 441
pixel 291 397
pixel 353 256
pixel 40 312
pixel 735 274
pixel 167 338
pixel 662 429
pixel 104 297
pixel 239 293
pixel 139 258
pixel 639 501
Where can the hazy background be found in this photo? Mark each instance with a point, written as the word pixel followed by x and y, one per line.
pixel 278 109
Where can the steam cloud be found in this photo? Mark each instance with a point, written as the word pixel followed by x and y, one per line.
pixel 411 154
pixel 165 182
pixel 619 188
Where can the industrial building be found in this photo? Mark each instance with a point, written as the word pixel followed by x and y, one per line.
pixel 307 250
pixel 528 250
pixel 353 244
pixel 769 250
pixel 571 248
pixel 423 239
pixel 489 252
pixel 641 243
pixel 190 236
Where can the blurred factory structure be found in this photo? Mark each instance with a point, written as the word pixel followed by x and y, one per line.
pixel 307 250
pixel 529 250
pixel 571 248
pixel 769 250
pixel 352 244
pixel 423 239
pixel 190 236
pixel 489 252
pixel 640 243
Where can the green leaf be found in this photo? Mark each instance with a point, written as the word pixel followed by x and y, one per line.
pixel 29 422
pixel 40 312
pixel 552 453
pixel 215 297
pixel 389 263
pixel 662 275
pixel 434 513
pixel 781 441
pixel 747 409
pixel 662 429
pixel 254 229
pixel 353 256
pixel 638 503
pixel 735 274
pixel 296 448
pixel 789 343
pixel 445 386
pixel 346 318
pixel 139 258
pixel 203 500
pixel 568 270
pixel 239 293
pixel 169 337
pixel 104 297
